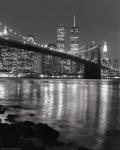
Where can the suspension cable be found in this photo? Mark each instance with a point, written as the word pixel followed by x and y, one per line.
pixel 88 49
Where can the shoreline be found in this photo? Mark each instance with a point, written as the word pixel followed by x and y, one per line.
pixel 28 135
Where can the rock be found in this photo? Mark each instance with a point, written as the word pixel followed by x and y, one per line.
pixel 25 129
pixel 11 117
pixel 11 135
pixel 2 109
pixel 46 134
pixel 31 146
pixel 84 148
pixel 26 134
pixel 32 115
pixel 64 146
pixel 112 133
pixel 8 135
pixel 26 123
pixel 1 106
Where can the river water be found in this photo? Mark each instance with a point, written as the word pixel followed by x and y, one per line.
pixel 82 110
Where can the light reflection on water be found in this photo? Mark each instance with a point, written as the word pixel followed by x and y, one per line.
pixel 82 110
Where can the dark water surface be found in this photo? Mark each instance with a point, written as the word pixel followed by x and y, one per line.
pixel 82 110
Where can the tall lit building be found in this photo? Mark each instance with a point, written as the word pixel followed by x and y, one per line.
pixel 61 36
pixel 61 39
pixel 74 38
pixel 17 60
pixel 9 59
pixel 48 62
pixel 105 50
pixel 25 61
pixel 26 58
pixel 38 60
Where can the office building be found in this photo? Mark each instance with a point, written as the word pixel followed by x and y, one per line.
pixel 49 62
pixel 116 64
pixel 74 38
pixel 61 37
pixel 26 58
pixel 105 50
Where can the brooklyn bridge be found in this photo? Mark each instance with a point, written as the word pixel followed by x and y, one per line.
pixel 17 53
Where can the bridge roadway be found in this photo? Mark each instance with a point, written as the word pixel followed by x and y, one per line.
pixel 91 70
pixel 29 47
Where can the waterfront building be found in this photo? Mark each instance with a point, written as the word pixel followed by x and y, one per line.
pixel 17 61
pixel 116 64
pixel 35 60
pixel 25 61
pixel 38 63
pixel 9 59
pixel 26 58
pixel 49 63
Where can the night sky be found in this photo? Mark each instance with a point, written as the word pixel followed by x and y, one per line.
pixel 98 20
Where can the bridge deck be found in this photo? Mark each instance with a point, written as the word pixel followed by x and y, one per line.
pixel 34 48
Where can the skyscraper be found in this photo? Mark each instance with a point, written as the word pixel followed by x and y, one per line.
pixel 25 58
pixel 105 50
pixel 49 63
pixel 61 36
pixel 9 59
pixel 74 38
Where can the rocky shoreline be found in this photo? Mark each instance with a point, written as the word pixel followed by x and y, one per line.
pixel 29 136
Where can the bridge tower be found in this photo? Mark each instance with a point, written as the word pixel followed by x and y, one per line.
pixel 93 71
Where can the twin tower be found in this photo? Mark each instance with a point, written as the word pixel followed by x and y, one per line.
pixel 74 38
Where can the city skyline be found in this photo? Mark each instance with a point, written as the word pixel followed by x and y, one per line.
pixel 97 20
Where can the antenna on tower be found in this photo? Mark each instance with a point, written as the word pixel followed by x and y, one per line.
pixel 74 21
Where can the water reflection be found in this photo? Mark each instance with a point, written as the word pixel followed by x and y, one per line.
pixel 114 111
pixel 82 110
pixel 2 91
pixel 60 101
pixel 48 101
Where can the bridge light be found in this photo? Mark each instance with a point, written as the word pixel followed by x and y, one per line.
pixel 5 32
pixel 10 30
pixel 45 46
pixel 1 33
pixel 93 42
